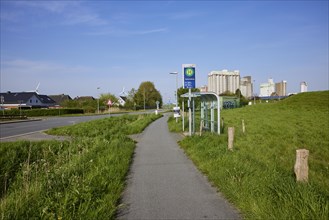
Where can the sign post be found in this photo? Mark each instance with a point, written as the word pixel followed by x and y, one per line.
pixel 109 104
pixel 157 103
pixel 189 82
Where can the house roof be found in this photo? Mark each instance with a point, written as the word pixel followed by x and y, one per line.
pixel 24 97
pixel 84 98
pixel 46 99
pixel 60 98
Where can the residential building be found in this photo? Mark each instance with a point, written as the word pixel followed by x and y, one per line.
pixel 59 99
pixel 303 87
pixel 281 88
pixel 246 87
pixel 267 89
pixel 25 100
pixel 223 81
pixel 84 98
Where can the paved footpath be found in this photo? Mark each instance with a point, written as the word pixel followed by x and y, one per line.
pixel 164 184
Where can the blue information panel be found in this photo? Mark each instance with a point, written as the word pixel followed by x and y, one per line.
pixel 189 77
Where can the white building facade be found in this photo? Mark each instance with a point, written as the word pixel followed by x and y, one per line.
pixel 223 81
pixel 246 87
pixel 281 88
pixel 266 89
pixel 303 87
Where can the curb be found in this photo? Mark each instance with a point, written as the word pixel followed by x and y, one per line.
pixel 18 121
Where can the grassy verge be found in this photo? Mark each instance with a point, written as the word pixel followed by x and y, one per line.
pixel 78 179
pixel 257 176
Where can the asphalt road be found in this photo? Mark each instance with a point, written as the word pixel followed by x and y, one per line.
pixel 10 130
pixel 164 184
pixel 20 128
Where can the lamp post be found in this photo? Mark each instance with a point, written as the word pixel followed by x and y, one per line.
pixel 176 73
pixel 98 101
pixel 20 108
pixel 2 101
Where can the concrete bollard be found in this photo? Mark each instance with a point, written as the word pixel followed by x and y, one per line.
pixel 301 165
pixel 243 127
pixel 230 138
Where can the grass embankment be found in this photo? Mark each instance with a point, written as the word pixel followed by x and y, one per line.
pixel 258 176
pixel 78 179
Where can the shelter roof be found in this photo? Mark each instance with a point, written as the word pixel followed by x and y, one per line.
pixel 207 96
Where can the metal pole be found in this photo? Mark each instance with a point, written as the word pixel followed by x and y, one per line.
pixel 183 115
pixel 98 102
pixel 2 101
pixel 176 94
pixel 193 119
pixel 218 116
pixel 189 112
pixel 20 108
pixel 176 73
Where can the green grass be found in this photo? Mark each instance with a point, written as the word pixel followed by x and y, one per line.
pixel 258 176
pixel 78 179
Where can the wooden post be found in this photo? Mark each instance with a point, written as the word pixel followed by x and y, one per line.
pixel 243 127
pixel 201 126
pixel 230 138
pixel 301 165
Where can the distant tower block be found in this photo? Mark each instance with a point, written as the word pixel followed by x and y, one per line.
pixel 303 87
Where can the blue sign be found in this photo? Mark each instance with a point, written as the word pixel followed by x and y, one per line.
pixel 189 77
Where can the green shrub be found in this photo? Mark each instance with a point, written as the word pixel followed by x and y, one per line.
pixel 258 175
pixel 81 178
pixel 44 112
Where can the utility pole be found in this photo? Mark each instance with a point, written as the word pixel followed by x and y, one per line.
pixel 98 101
pixel 176 73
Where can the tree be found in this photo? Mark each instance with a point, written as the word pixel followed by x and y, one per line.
pixel 182 91
pixel 104 99
pixel 130 102
pixel 147 95
pixel 243 100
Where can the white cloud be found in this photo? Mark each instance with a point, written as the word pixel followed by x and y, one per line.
pixel 72 13
pixel 23 75
pixel 185 15
pixel 39 68
pixel 118 32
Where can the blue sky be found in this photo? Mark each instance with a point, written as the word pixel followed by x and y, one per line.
pixel 74 47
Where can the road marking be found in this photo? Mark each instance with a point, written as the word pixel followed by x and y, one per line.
pixel 19 135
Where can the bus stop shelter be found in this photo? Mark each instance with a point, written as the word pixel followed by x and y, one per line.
pixel 210 101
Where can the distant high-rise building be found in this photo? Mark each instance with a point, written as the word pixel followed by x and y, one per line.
pixel 303 87
pixel 281 88
pixel 267 89
pixel 223 81
pixel 246 87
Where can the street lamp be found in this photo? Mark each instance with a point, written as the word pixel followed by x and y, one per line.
pixel 176 73
pixel 2 101
pixel 98 101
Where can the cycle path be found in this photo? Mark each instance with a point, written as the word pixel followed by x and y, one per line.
pixel 164 184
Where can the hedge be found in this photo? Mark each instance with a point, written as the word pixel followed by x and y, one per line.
pixel 44 112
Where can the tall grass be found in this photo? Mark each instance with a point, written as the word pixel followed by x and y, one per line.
pixel 258 175
pixel 81 178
